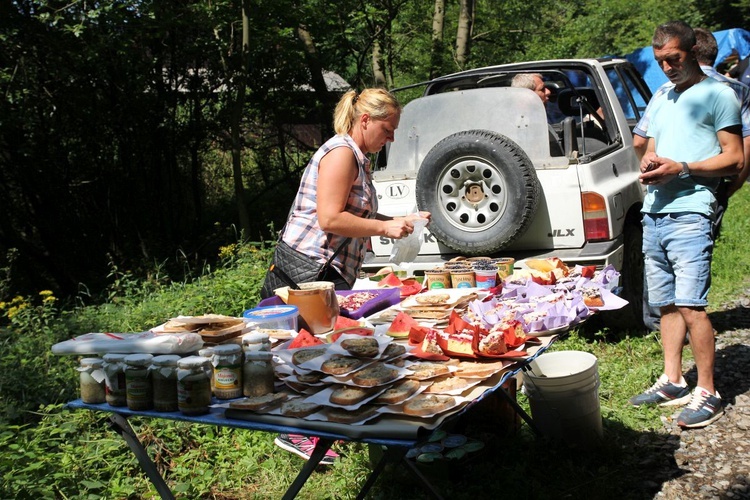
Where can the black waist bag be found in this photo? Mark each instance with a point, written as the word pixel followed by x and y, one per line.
pixel 298 266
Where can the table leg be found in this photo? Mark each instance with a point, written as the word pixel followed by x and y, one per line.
pixel 527 418
pixel 321 447
pixel 413 468
pixel 121 425
pixel 390 454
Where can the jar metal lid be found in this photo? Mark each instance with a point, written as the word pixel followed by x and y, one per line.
pixel 255 338
pixel 259 355
pixel 224 349
pixel 114 357
pixel 270 313
pixel 92 362
pixel 166 360
pixel 139 359
pixel 194 362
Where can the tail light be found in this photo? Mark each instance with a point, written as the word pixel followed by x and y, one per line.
pixel 595 220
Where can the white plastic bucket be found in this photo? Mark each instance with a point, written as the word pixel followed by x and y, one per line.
pixel 563 392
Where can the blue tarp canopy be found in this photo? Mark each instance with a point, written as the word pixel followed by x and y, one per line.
pixel 735 40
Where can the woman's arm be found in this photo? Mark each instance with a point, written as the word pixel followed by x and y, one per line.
pixel 336 174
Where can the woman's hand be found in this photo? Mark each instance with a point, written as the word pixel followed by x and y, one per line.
pixel 398 228
pixel 419 215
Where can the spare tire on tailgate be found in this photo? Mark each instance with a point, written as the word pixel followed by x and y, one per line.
pixel 481 189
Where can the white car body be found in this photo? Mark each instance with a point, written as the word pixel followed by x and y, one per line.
pixel 479 106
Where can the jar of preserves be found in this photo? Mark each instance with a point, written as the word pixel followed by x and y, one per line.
pixel 227 376
pixel 208 352
pixel 194 385
pixel 139 393
pixel 257 373
pixel 256 341
pixel 164 380
pixel 114 378
pixel 92 381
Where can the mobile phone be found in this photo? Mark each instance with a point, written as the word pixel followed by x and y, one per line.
pixel 650 167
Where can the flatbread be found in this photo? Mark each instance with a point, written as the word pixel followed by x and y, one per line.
pixel 447 384
pixel 343 416
pixel 339 364
pixel 423 405
pixel 398 392
pixel 376 374
pixel 365 347
pixel 303 355
pixel 433 299
pixel 257 403
pixel 298 408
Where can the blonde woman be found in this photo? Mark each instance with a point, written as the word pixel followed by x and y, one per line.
pixel 336 208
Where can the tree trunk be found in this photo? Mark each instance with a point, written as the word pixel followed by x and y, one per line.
pixel 237 108
pixel 436 52
pixel 316 76
pixel 377 64
pixel 463 35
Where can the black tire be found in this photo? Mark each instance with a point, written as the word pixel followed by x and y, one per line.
pixel 630 317
pixel 481 189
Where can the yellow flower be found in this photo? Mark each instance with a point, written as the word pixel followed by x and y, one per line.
pixel 45 293
pixel 227 251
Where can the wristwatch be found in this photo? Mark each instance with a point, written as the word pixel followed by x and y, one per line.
pixel 685 170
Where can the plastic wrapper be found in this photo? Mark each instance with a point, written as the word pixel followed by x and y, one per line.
pixel 140 342
pixel 406 249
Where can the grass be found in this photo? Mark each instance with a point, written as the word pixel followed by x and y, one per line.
pixel 49 452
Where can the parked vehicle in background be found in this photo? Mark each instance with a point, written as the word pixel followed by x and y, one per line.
pixel 504 175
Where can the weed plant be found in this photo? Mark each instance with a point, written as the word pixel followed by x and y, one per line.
pixel 51 452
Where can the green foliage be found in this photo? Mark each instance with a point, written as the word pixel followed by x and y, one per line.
pixel 567 28
pixel 731 266
pixel 30 374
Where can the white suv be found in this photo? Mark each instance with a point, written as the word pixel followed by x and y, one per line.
pixel 505 175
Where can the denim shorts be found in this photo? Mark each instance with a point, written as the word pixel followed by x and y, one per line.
pixel 677 252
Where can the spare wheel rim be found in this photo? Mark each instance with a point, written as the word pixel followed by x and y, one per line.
pixel 472 194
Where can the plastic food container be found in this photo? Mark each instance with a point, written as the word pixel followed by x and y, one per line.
pixel 283 317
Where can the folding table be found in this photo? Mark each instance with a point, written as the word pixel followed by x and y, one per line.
pixel 396 441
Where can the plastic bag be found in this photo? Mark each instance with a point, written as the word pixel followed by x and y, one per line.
pixel 406 249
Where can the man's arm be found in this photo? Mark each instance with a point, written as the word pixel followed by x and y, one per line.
pixel 729 162
pixel 739 181
pixel 639 144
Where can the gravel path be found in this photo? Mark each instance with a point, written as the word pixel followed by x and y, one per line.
pixel 713 462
